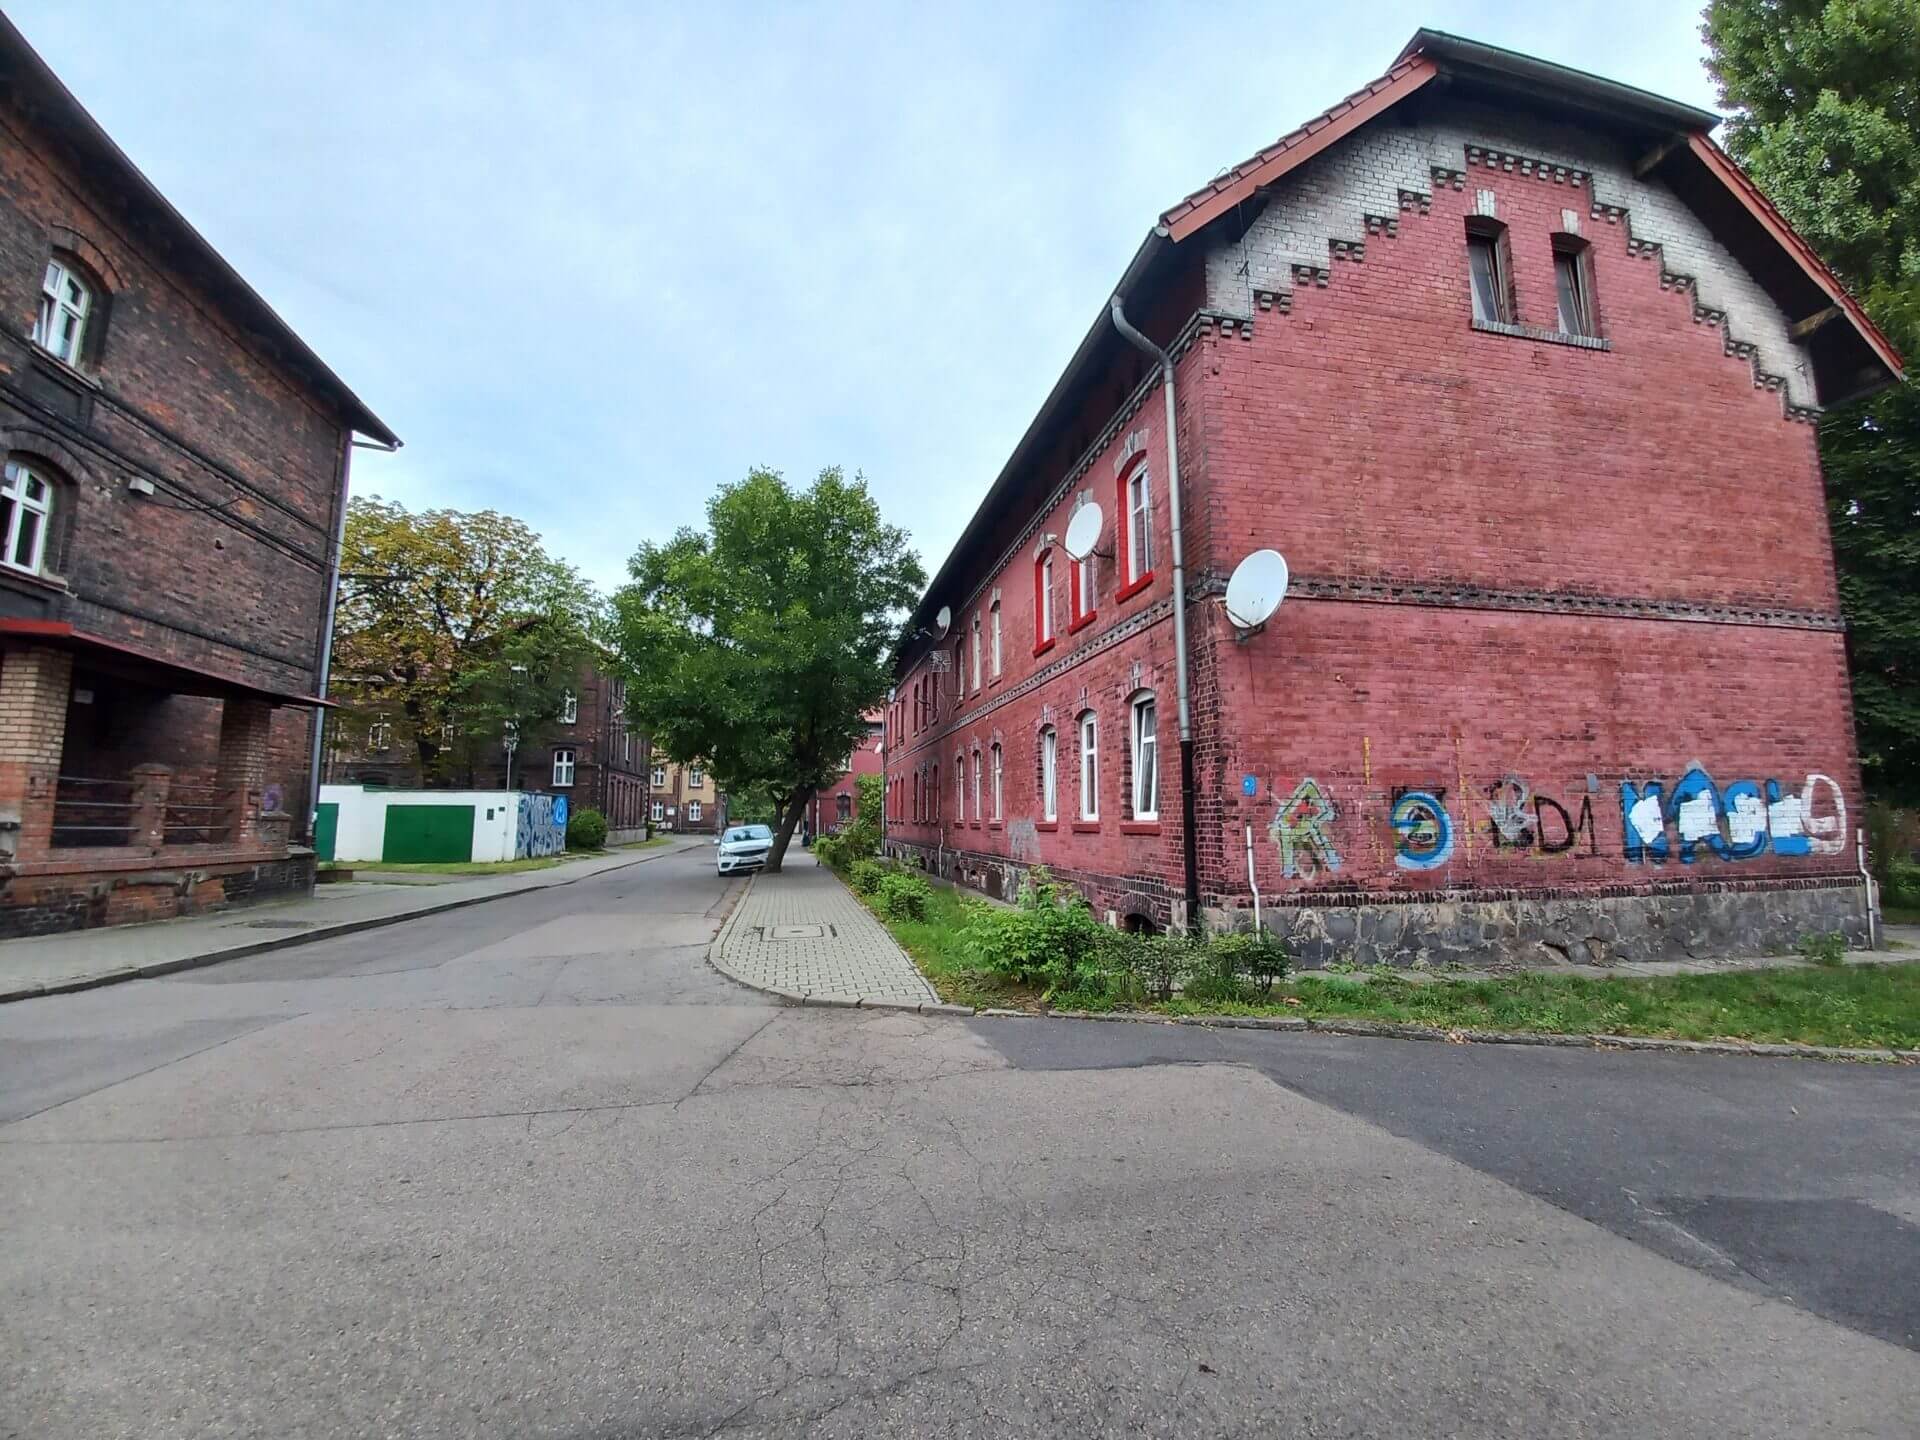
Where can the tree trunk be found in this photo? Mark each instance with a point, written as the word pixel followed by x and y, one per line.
pixel 790 815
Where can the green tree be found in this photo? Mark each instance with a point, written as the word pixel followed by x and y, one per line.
pixel 460 623
pixel 761 643
pixel 1825 96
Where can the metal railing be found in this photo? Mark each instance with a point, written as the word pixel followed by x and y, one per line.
pixel 196 815
pixel 92 812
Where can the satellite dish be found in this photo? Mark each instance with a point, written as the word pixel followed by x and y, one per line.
pixel 1258 585
pixel 1083 531
pixel 942 622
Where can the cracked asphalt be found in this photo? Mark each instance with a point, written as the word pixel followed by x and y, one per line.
pixel 533 1169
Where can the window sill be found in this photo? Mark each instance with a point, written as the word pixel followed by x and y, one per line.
pixel 1086 827
pixel 1139 827
pixel 1042 648
pixel 1074 626
pixel 997 680
pixel 1536 332
pixel 64 369
pixel 995 825
pixel 38 579
pixel 1046 827
pixel 973 824
pixel 1127 592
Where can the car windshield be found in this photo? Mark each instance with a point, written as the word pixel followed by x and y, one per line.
pixel 748 832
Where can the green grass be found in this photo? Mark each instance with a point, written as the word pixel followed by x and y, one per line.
pixel 1900 914
pixel 654 844
pixel 1867 1006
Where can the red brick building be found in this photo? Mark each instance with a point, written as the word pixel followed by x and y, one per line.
pixel 840 802
pixel 1516 369
pixel 588 755
pixel 176 468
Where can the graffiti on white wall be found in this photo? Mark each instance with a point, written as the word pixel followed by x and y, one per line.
pixel 542 828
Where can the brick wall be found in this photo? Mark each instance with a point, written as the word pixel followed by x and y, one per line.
pixel 1532 580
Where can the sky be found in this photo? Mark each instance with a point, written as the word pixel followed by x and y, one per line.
pixel 592 261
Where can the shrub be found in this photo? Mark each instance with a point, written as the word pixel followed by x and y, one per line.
pixel 829 852
pixel 865 876
pixel 901 896
pixel 1903 884
pixel 1048 938
pixel 586 830
pixel 1829 949
pixel 1252 958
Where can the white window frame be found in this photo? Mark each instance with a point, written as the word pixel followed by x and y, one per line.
pixel 1049 774
pixel 570 709
pixel 1083 580
pixel 658 811
pixel 25 492
pixel 960 788
pixel 563 765
pixel 1046 597
pixel 1089 733
pixel 993 626
pixel 979 813
pixel 1139 523
pixel 999 789
pixel 696 778
pixel 1145 728
pixel 60 325
pixel 976 651
pixel 659 777
pixel 694 812
pixel 380 736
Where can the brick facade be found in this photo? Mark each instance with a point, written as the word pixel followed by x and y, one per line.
pixel 674 792
pixel 839 802
pixel 192 454
pixel 1561 668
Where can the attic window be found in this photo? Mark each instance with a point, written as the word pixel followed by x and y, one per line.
pixel 1489 272
pixel 1573 285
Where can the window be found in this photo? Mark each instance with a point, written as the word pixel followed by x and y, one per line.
pixel 696 777
pixel 917 801
pixel 1043 599
pixel 1049 774
pixel 61 325
pixel 976 652
pixel 1136 530
pixel 562 768
pixel 1080 593
pixel 570 709
pixel 1573 291
pixel 993 628
pixel 659 812
pixel 380 736
pixel 978 813
pixel 843 807
pixel 993 755
pixel 960 789
pixel 933 783
pixel 1089 767
pixel 626 747
pixel 694 812
pixel 1146 761
pixel 659 777
pixel 933 694
pixel 1487 267
pixel 26 509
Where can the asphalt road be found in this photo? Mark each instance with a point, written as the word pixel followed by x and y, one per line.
pixel 532 1169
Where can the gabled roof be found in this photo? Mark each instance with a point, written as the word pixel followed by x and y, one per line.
pixel 31 85
pixel 1849 354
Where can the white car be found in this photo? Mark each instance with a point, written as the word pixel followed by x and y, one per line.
pixel 744 847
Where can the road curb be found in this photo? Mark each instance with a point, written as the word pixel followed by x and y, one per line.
pixel 158 968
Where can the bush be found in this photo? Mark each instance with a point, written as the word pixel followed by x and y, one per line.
pixel 1048 938
pixel 865 876
pixel 586 830
pixel 1148 967
pixel 901 896
pixel 1903 884
pixel 829 852
pixel 1829 949
pixel 1247 958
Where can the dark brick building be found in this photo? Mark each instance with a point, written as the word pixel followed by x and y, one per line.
pixel 588 755
pixel 1516 368
pixel 176 467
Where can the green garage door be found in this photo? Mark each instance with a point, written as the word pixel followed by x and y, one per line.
pixel 421 834
pixel 326 829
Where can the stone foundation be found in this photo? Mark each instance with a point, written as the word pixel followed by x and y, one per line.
pixel 47 904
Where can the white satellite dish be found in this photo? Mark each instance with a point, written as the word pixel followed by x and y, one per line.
pixel 1083 531
pixel 942 622
pixel 1256 588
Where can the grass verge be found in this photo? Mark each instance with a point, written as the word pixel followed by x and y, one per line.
pixel 1866 1006
pixel 459 867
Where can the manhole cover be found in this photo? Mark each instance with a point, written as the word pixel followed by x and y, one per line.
pixel 796 932
pixel 278 924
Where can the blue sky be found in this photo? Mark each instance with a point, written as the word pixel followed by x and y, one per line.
pixel 592 261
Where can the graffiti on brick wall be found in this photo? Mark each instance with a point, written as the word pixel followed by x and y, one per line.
pixel 542 828
pixel 1737 821
pixel 1522 818
pixel 1422 829
pixel 1303 829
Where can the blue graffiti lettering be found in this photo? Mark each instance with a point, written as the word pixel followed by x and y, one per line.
pixel 1423 830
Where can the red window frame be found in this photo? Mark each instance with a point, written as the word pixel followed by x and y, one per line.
pixel 1123 533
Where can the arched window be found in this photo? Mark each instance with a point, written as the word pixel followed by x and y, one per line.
pixel 993 626
pixel 1049 774
pixel 1089 767
pixel 978 813
pixel 66 300
pixel 26 513
pixel 916 797
pixel 1145 757
pixel 1134 529
pixel 960 789
pixel 1043 600
pixel 993 756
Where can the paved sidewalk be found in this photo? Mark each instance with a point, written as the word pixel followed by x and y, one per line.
pixel 83 959
pixel 802 935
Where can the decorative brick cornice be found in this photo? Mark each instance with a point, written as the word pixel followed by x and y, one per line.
pixel 1387 225
pixel 1280 300
pixel 1354 250
pixel 1445 179
pixel 1526 165
pixel 1317 275
pixel 1416 200
pixel 1462 595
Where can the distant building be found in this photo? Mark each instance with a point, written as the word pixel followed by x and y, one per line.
pixel 175 477
pixel 838 803
pixel 683 799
